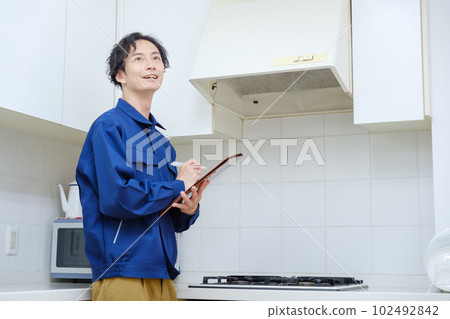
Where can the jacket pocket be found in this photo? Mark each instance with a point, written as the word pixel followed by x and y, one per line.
pixel 148 164
pixel 145 164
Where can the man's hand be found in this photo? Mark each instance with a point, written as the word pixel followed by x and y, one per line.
pixel 189 205
pixel 189 173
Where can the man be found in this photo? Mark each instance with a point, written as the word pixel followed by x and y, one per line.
pixel 126 179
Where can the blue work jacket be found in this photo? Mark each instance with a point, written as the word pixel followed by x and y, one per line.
pixel 125 180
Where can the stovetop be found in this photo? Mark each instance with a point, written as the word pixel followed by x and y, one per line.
pixel 281 283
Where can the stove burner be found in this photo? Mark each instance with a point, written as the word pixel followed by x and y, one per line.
pixel 282 281
pixel 240 282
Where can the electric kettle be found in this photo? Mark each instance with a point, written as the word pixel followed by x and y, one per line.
pixel 72 205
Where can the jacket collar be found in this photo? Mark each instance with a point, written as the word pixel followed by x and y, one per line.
pixel 135 115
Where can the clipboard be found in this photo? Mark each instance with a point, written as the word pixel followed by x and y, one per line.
pixel 213 173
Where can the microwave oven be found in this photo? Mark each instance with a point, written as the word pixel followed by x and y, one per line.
pixel 68 257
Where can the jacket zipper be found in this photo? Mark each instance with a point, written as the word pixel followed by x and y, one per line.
pixel 118 230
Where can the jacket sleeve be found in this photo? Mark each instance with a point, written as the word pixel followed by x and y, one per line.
pixel 182 221
pixel 121 195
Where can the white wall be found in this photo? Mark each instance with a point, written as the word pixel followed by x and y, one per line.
pixel 369 210
pixel 30 169
pixel 439 52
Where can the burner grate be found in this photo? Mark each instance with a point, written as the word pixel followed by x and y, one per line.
pixel 281 281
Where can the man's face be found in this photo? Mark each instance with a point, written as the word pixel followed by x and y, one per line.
pixel 144 68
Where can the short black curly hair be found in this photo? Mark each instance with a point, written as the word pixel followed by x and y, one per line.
pixel 120 51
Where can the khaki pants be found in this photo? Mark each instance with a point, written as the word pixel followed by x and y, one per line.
pixel 133 289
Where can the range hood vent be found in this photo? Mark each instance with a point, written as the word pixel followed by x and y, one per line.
pixel 258 78
pixel 278 82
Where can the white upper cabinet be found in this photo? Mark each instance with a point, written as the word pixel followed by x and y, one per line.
pixel 178 25
pixel 32 55
pixel 388 85
pixel 54 63
pixel 90 36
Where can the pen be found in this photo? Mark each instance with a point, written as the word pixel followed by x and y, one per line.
pixel 178 164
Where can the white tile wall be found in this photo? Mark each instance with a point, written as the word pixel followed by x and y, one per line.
pixel 369 209
pixel 220 250
pixel 350 250
pixel 29 249
pixel 393 155
pixel 302 126
pixel 8 151
pixel 7 187
pixel 260 205
pixel 395 202
pixel 397 250
pixel 260 250
pixel 262 128
pixel 227 213
pixel 304 250
pixel 27 202
pixel 426 201
pixel 347 203
pixel 347 157
pixel 30 168
pixel 30 157
pixel 189 250
pixel 342 124
pixel 304 204
pixel 424 149
pixel 309 170
pixel 265 168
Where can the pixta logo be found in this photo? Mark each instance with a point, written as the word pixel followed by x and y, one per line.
pixel 141 150
pixel 308 150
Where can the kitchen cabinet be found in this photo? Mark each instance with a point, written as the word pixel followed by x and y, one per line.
pixel 65 44
pixel 32 56
pixel 55 66
pixel 388 77
pixel 90 36
pixel 178 24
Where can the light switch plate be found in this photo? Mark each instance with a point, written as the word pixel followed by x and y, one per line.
pixel 12 239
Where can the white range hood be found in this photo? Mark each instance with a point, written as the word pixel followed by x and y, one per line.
pixel 266 58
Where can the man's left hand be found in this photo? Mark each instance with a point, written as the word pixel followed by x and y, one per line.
pixel 189 205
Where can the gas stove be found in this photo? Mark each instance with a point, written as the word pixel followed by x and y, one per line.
pixel 281 283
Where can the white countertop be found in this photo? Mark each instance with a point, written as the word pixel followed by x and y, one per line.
pixel 45 291
pixel 379 294
pixel 415 288
pixel 82 291
pixel 381 288
pixel 73 292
